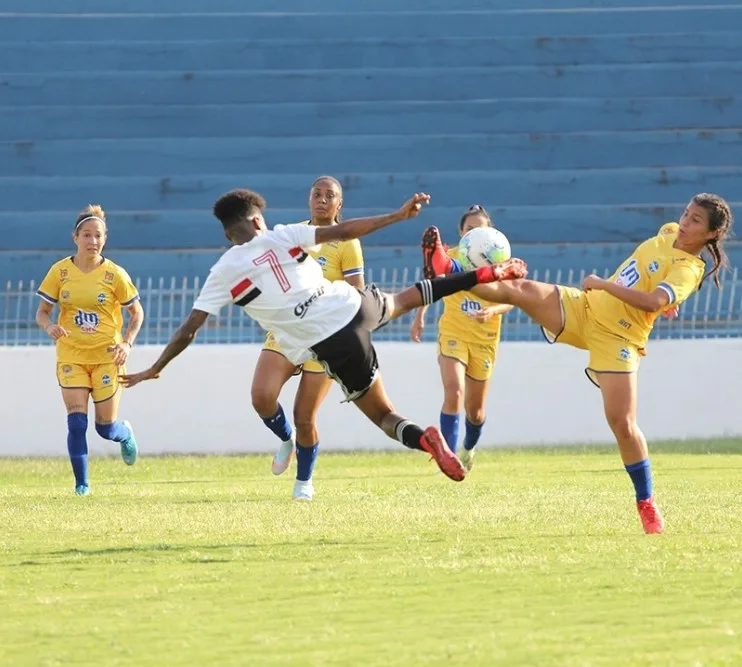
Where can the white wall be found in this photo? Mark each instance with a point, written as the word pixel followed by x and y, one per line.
pixel 540 395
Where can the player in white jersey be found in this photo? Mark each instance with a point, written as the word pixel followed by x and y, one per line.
pixel 271 276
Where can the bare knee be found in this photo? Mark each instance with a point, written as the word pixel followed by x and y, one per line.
pixel 475 414
pixel 264 400
pixel 305 423
pixel 453 397
pixel 624 427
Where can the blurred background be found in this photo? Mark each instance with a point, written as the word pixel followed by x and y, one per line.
pixel 582 125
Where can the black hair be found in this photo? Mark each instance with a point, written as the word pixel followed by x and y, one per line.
pixel 237 206
pixel 721 221
pixel 476 209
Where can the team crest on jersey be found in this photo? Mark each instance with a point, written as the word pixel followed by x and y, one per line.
pixel 63 275
pixel 470 306
pixel 101 298
pixel 625 354
pixel 87 322
pixel 654 267
pixel 321 261
pixel 106 380
pixel 108 277
pixel 64 295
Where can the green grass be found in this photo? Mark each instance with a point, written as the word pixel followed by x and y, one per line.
pixel 537 559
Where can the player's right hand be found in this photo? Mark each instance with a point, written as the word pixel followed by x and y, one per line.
pixel 132 379
pixel 413 205
pixel 671 313
pixel 416 330
pixel 55 332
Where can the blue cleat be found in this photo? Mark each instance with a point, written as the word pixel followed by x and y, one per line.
pixel 129 449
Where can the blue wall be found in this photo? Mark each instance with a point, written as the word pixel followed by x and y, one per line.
pixel 581 126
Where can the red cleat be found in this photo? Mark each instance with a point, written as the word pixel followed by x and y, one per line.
pixel 651 516
pixel 433 442
pixel 511 269
pixel 435 260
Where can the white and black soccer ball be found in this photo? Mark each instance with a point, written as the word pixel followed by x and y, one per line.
pixel 482 246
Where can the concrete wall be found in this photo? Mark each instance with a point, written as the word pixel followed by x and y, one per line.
pixel 688 389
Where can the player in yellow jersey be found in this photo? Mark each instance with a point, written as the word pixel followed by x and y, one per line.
pixel 612 318
pixel 468 337
pixel 340 260
pixel 90 291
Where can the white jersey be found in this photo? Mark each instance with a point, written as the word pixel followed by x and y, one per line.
pixel 281 287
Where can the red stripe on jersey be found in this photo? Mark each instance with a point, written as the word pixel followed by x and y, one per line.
pixel 240 288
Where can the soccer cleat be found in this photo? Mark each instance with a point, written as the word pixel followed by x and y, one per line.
pixel 282 459
pixel 467 458
pixel 303 490
pixel 512 269
pixel 129 449
pixel 435 260
pixel 82 490
pixel 433 442
pixel 651 516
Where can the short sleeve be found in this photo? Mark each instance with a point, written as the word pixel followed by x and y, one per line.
pixel 214 295
pixel 292 236
pixel 49 288
pixel 681 282
pixel 124 289
pixel 351 259
pixel 668 228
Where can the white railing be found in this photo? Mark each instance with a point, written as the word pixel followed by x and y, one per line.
pixel 710 313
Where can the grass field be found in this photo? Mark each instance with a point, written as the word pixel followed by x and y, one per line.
pixel 537 559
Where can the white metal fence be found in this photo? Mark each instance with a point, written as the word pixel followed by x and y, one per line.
pixel 709 313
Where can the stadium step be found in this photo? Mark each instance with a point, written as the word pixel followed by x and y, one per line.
pixel 366 153
pixel 346 53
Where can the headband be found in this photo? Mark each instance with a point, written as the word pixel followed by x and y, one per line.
pixel 90 217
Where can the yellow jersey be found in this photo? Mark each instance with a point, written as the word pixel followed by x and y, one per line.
pixel 339 259
pixel 654 264
pixel 456 321
pixel 89 308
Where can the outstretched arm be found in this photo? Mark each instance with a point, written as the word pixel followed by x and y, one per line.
pixel 181 339
pixel 358 227
pixel 650 302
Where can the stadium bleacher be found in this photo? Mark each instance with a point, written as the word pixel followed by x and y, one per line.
pixel 582 124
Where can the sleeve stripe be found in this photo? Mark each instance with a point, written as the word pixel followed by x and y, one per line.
pixel 669 291
pixel 46 297
pixel 134 299
pixel 353 272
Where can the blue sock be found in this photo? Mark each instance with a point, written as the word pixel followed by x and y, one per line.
pixel 117 432
pixel 473 433
pixel 77 446
pixel 641 476
pixel 450 429
pixel 280 425
pixel 305 458
pixel 456 266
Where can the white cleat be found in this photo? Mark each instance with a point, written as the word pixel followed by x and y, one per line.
pixel 303 490
pixel 467 458
pixel 282 459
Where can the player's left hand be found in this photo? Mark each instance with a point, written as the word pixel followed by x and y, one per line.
pixel 134 379
pixel 413 205
pixel 671 313
pixel 593 282
pixel 483 315
pixel 120 352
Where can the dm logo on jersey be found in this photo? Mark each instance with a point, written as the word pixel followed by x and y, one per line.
pixel 108 277
pixel 88 322
pixel 625 354
pixel 106 380
pixel 654 267
pixel 469 306
pixel 629 275
pixel 101 298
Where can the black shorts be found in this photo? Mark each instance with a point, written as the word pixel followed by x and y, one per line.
pixel 348 355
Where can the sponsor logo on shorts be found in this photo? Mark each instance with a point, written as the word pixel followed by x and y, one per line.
pixel 101 298
pixel 625 354
pixel 487 364
pixel 66 369
pixel 654 267
pixel 88 322
pixel 301 308
pixel 452 343
pixel 106 380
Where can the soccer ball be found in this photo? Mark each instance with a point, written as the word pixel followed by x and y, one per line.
pixel 481 246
